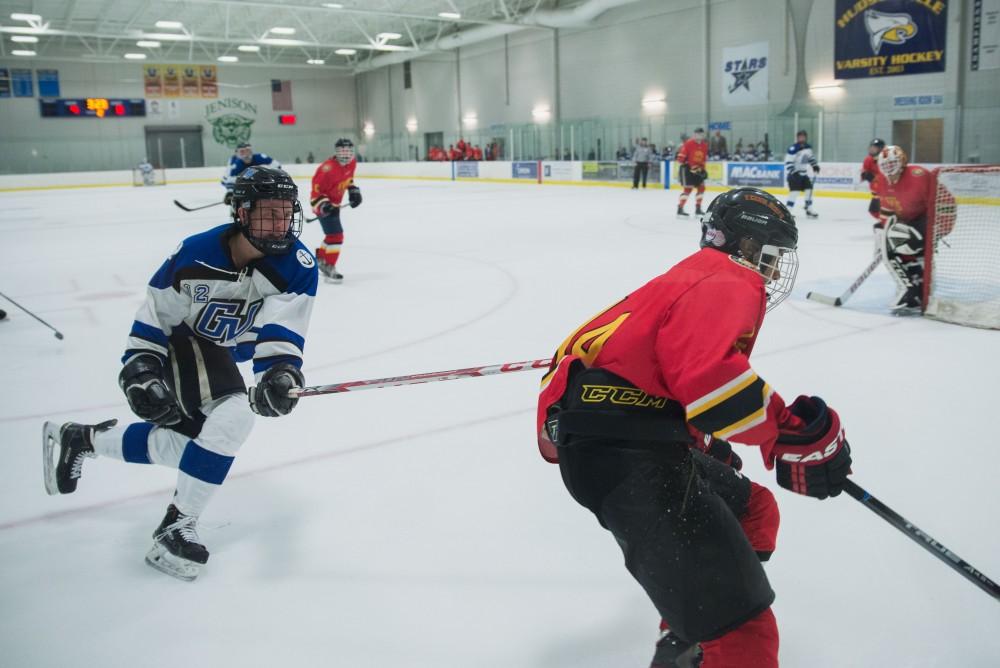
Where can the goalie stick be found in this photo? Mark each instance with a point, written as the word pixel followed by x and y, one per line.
pixel 414 379
pixel 197 208
pixel 925 541
pixel 839 301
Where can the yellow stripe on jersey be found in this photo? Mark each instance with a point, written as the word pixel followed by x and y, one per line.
pixel 717 396
pixel 737 406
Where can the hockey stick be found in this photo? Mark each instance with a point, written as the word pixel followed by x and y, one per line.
pixel 839 301
pixel 336 206
pixel 925 541
pixel 414 379
pixel 58 333
pixel 197 208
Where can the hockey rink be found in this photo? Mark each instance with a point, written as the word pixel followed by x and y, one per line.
pixel 417 526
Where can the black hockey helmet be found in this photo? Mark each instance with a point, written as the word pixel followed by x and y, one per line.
pixel 260 183
pixel 877 143
pixel 343 150
pixel 756 228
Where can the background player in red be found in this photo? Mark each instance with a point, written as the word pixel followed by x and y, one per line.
pixel 637 396
pixel 332 178
pixel 692 172
pixel 906 195
pixel 869 170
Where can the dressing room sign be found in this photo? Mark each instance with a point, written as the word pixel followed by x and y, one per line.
pixel 880 38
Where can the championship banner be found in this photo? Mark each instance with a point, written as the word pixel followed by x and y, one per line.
pixel 152 80
pixel 189 81
pixel 171 80
pixel 745 75
pixel 985 35
pixel 209 81
pixel 879 38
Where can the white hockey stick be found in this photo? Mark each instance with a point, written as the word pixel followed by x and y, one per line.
pixel 471 372
pixel 839 301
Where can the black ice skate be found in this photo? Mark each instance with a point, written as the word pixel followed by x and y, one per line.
pixel 681 213
pixel 908 302
pixel 75 442
pixel 177 550
pixel 330 273
pixel 698 211
pixel 672 652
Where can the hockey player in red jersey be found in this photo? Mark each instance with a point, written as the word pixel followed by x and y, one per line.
pixel 691 159
pixel 332 179
pixel 869 170
pixel 638 407
pixel 907 196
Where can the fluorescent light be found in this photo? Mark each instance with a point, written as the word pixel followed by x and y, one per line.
pixel 148 43
pixel 24 39
pixel 826 90
pixel 345 52
pixel 30 18
pixel 136 56
pixel 411 125
pixel 333 5
pixel 248 48
pixel 22 52
pixel 282 31
pixel 449 15
pixel 316 61
pixel 383 36
pixel 228 59
pixel 654 101
pixel 541 113
pixel 369 129
pixel 281 41
pixel 470 120
pixel 169 24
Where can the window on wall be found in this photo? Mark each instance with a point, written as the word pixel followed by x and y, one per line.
pixel 407 80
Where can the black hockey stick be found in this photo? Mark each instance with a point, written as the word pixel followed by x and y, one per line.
pixel 58 333
pixel 839 301
pixel 925 541
pixel 197 208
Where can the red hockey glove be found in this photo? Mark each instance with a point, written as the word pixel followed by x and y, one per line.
pixel 812 456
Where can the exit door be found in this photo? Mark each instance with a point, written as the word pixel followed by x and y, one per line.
pixel 175 146
pixel 922 139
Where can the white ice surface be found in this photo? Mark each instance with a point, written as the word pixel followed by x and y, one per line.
pixel 417 526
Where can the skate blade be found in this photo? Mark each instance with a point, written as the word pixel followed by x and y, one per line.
pixel 50 446
pixel 335 281
pixel 160 558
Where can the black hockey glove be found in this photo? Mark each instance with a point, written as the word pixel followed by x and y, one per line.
pixel 868 176
pixel 228 198
pixel 354 196
pixel 723 451
pixel 812 454
pixel 327 209
pixel 270 396
pixel 815 169
pixel 145 387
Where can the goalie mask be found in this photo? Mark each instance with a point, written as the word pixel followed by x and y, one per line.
pixel 892 161
pixel 343 150
pixel 758 230
pixel 270 227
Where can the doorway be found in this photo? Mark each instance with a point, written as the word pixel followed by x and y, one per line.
pixel 922 139
pixel 174 146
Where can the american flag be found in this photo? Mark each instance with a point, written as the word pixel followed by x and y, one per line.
pixel 281 95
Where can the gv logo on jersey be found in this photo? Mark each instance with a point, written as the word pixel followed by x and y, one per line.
pixel 885 28
pixel 225 319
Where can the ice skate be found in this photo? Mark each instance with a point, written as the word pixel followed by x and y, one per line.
pixel 681 213
pixel 177 550
pixel 672 652
pixel 907 302
pixel 810 213
pixel 330 273
pixel 698 211
pixel 63 450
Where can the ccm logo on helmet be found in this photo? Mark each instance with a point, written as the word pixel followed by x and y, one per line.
pixel 817 455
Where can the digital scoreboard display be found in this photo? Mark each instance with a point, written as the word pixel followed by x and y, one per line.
pixel 92 107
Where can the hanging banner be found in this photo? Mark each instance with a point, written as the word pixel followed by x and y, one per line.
pixel 209 81
pixel 4 82
pixel 879 38
pixel 152 80
pixel 48 83
pixel 171 81
pixel 985 35
pixel 745 75
pixel 189 81
pixel 24 84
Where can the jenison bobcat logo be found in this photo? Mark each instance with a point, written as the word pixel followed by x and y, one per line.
pixel 231 120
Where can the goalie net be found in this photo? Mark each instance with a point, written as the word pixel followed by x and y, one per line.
pixel 962 260
pixel 156 176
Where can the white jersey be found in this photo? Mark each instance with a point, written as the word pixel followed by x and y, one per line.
pixel 260 312
pixel 800 160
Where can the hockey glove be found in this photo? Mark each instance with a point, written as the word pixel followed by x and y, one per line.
pixel 228 198
pixel 723 451
pixel 270 396
pixel 868 176
pixel 815 169
pixel 327 209
pixel 145 387
pixel 812 454
pixel 354 196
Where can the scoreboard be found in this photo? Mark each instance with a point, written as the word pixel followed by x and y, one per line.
pixel 92 107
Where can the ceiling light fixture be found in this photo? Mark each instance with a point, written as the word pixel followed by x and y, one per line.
pixel 450 15
pixel 316 61
pixel 30 18
pixel 176 25
pixel 22 52
pixel 24 39
pixel 333 5
pixel 345 52
pixel 386 36
pixel 135 56
pixel 148 44
pixel 282 31
pixel 228 59
pixel 248 48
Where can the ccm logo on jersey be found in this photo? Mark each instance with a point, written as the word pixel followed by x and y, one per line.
pixel 816 455
pixel 621 396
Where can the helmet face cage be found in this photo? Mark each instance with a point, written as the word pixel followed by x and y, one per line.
pixel 254 185
pixel 779 267
pixel 891 162
pixel 245 152
pixel 344 151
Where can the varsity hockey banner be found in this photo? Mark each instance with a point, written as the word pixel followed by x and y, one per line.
pixel 880 38
pixel 745 74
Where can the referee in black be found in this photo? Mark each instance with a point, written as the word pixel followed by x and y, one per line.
pixel 641 157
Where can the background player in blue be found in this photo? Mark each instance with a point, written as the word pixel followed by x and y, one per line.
pixel 800 168
pixel 239 291
pixel 243 157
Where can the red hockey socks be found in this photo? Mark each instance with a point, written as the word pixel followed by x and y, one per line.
pixel 329 252
pixel 684 196
pixel 753 644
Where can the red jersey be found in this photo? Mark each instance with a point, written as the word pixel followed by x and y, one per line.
pixel 330 181
pixel 909 198
pixel 667 339
pixel 870 165
pixel 693 153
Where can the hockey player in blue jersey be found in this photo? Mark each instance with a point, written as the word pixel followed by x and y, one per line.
pixel 243 157
pixel 800 169
pixel 240 291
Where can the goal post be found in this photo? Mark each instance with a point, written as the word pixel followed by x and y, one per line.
pixel 962 256
pixel 157 176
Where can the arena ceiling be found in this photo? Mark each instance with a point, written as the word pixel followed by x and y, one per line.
pixel 347 35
